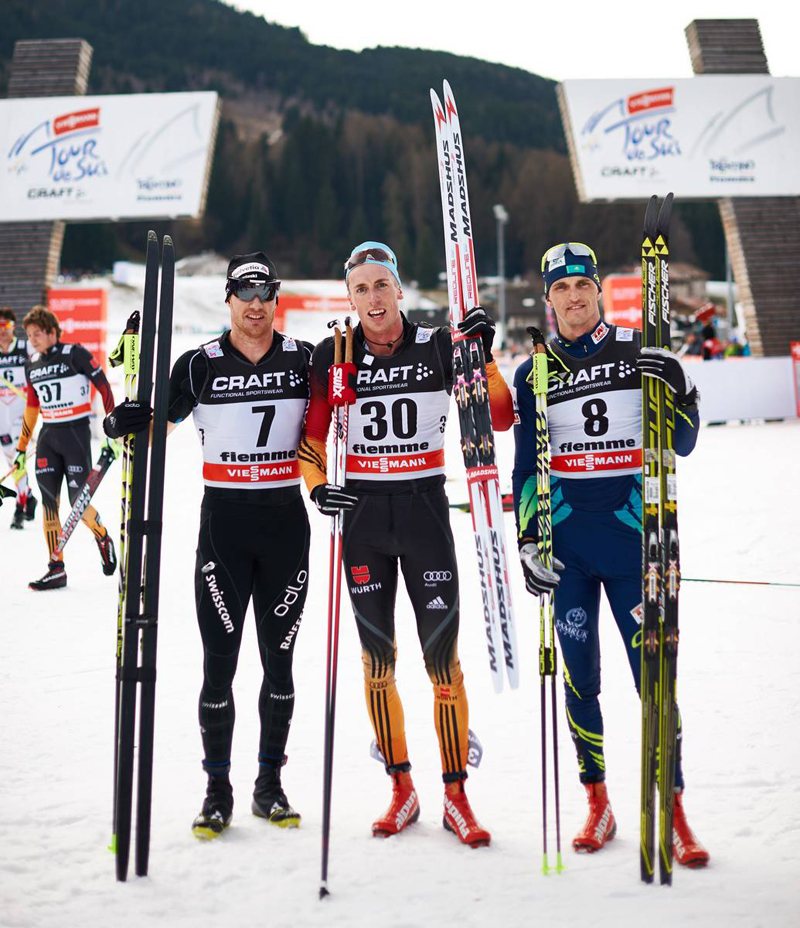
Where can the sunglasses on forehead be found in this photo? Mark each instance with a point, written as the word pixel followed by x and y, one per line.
pixel 375 254
pixel 6 324
pixel 575 248
pixel 247 290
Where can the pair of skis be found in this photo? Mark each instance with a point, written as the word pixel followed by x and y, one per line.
pixel 472 397
pixel 660 560
pixel 140 559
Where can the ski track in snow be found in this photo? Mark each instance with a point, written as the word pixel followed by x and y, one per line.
pixel 738 680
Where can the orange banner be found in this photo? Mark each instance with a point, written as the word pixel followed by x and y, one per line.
pixel 83 317
pixel 622 301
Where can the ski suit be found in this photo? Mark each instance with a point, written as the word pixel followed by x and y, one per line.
pixel 395 464
pixel 60 382
pixel 254 534
pixel 594 414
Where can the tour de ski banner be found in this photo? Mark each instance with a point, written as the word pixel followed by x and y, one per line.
pixel 706 136
pixel 106 157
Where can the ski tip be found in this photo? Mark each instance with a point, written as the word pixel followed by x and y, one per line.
pixel 650 216
pixel 168 241
pixel 151 237
pixel 323 891
pixel 665 213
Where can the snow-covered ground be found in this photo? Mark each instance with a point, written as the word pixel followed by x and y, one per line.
pixel 738 685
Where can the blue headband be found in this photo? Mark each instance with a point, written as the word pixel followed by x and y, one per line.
pixel 390 265
pixel 570 265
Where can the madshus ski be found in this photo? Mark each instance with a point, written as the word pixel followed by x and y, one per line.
pixel 660 560
pixel 136 665
pixel 472 396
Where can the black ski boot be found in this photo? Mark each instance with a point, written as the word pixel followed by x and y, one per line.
pixel 217 809
pixel 107 553
pixel 19 515
pixel 30 507
pixel 54 579
pixel 269 799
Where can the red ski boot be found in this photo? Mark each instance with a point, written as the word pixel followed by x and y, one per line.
pixel 600 826
pixel 403 809
pixel 686 849
pixel 460 819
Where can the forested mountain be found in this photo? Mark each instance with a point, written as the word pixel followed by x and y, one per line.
pixel 320 148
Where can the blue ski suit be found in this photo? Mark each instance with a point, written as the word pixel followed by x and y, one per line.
pixel 594 418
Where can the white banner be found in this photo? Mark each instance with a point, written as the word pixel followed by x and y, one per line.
pixel 705 136
pixel 113 157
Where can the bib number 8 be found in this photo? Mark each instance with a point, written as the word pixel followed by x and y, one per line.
pixel 594 413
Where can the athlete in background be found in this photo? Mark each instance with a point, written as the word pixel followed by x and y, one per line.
pixel 60 379
pixel 397 512
pixel 594 414
pixel 13 357
pixel 248 392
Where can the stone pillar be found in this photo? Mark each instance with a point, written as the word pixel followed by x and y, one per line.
pixel 30 252
pixel 762 233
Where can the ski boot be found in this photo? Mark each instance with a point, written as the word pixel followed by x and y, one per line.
pixel 54 579
pixel 269 799
pixel 686 849
pixel 19 515
pixel 30 507
pixel 107 554
pixel 460 819
pixel 403 809
pixel 600 825
pixel 217 810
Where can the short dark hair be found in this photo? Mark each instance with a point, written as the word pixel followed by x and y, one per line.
pixel 6 312
pixel 47 321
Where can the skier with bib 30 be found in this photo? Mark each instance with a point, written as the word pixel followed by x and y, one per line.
pixel 396 513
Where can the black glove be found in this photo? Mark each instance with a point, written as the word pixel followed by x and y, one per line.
pixel 331 499
pixel 663 364
pixel 476 322
pixel 127 418
pixel 538 579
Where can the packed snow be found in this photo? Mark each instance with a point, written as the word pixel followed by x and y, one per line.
pixel 738 683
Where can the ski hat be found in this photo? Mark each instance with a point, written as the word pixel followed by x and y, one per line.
pixel 569 259
pixel 256 267
pixel 389 262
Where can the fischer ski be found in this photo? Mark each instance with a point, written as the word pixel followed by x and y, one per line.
pixel 472 397
pixel 660 560
pixel 142 567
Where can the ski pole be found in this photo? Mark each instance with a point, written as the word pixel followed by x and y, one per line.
pixel 745 582
pixel 547 642
pixel 12 387
pixel 341 420
pixel 127 354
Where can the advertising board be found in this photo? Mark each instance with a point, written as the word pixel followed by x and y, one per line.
pixel 106 157
pixel 705 136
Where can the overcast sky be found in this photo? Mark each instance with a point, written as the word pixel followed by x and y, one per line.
pixel 574 39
